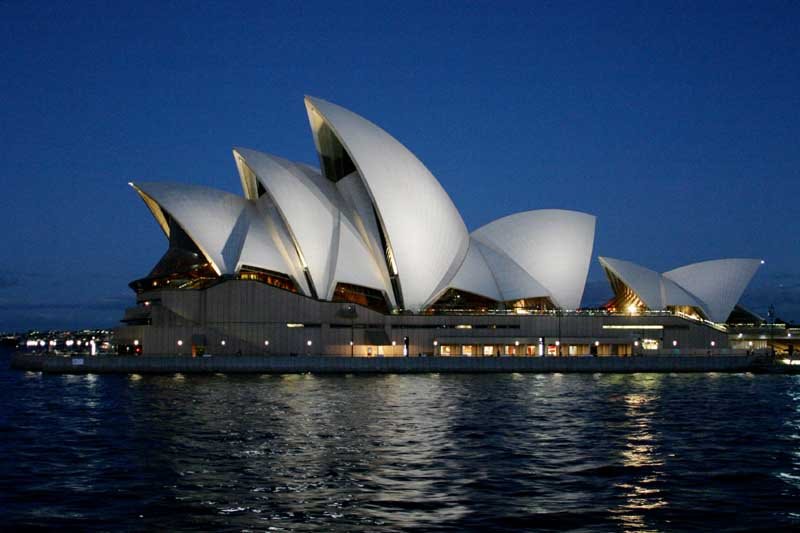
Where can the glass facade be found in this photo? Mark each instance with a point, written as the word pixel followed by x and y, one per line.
pixel 456 301
pixel 364 296
pixel 274 279
pixel 183 266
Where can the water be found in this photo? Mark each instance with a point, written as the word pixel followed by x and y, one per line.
pixel 637 452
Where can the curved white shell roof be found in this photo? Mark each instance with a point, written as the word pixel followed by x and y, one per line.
pixel 354 263
pixel 714 287
pixel 228 229
pixel 719 283
pixel 317 219
pixel 644 282
pixel 512 280
pixel 475 276
pixel 308 207
pixel 378 218
pixel 655 291
pixel 425 232
pixel 553 246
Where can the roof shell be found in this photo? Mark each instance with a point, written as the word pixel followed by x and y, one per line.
pixel 553 246
pixel 719 283
pixel 229 230
pixel 309 207
pixel 644 282
pixel 475 276
pixel 424 231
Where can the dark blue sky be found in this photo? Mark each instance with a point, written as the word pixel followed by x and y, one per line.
pixel 677 124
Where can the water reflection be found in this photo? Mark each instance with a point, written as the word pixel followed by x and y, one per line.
pixel 641 455
pixel 425 452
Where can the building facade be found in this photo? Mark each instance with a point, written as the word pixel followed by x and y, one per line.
pixel 368 255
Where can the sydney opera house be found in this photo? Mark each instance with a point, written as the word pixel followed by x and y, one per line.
pixel 368 255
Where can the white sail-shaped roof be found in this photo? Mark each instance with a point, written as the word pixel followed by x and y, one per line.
pixel 719 283
pixel 644 282
pixel 309 207
pixel 424 233
pixel 215 220
pixel 553 246
pixel 713 287
pixel 475 276
pixel 513 282
pixel 229 230
pixel 268 245
pixel 354 263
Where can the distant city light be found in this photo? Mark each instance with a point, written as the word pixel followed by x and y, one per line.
pixel 308 342
pixel 266 343
pixel 222 342
pixel 180 342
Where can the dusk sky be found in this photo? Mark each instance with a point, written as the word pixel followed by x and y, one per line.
pixel 677 124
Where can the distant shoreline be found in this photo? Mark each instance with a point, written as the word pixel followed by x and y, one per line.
pixel 317 364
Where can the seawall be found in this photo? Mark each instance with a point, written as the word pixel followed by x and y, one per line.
pixel 281 364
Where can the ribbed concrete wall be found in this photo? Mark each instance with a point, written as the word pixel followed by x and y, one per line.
pixel 245 314
pixel 399 365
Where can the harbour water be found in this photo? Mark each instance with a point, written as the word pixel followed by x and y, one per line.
pixel 637 452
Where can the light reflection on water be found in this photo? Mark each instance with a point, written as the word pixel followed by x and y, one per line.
pixel 595 452
pixel 642 452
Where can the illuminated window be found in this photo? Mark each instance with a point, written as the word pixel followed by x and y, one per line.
pixel 268 277
pixel 632 326
pixel 456 301
pixel 183 265
pixel 364 296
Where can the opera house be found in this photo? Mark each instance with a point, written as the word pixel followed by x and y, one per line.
pixel 368 256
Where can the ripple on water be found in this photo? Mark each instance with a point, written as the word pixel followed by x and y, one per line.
pixel 637 452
